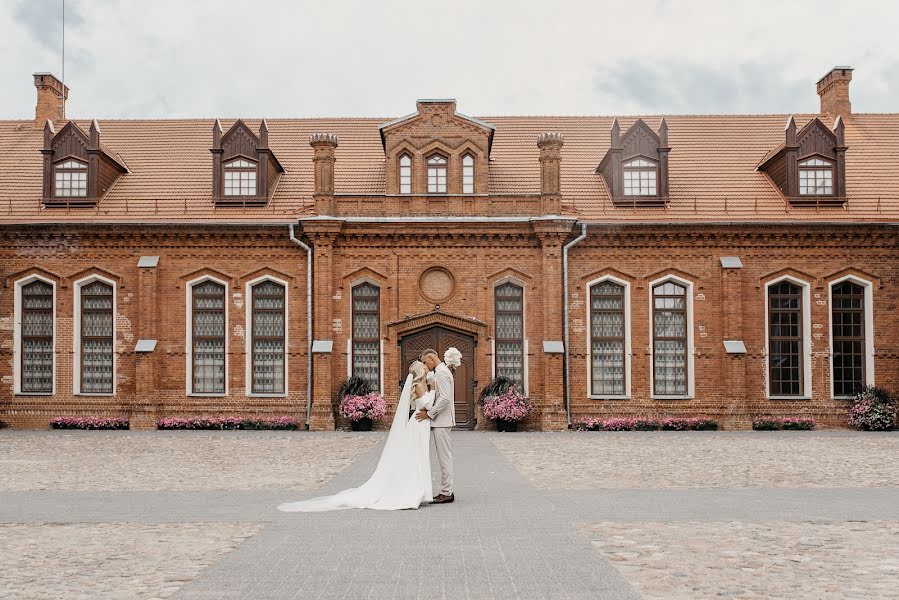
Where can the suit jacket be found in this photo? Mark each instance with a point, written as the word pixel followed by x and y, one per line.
pixel 443 413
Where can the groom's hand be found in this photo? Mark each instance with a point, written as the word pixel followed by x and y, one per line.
pixel 421 415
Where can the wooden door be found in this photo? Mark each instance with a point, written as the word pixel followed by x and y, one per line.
pixel 440 338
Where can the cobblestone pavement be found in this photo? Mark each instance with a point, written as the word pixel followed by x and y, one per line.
pixel 110 560
pixel 703 459
pixel 808 560
pixel 174 460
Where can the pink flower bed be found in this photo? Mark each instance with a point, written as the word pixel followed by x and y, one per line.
pixel 89 423
pixel 281 422
pixel 509 406
pixel 370 406
pixel 643 424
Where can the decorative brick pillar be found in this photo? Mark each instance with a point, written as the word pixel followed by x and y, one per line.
pixel 323 145
pixel 323 235
pixel 552 235
pixel 733 368
pixel 145 407
pixel 550 145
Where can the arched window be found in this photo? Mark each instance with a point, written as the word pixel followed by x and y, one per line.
pixel 240 178
pixel 849 333
pixel 36 337
pixel 208 328
pixel 640 178
pixel 366 359
pixel 96 328
pixel 70 179
pixel 267 338
pixel 405 174
pixel 815 177
pixel 608 335
pixel 510 332
pixel 786 373
pixel 468 174
pixel 670 322
pixel 437 174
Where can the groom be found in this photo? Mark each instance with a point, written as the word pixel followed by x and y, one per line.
pixel 443 418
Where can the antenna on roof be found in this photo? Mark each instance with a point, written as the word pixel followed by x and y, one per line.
pixel 63 43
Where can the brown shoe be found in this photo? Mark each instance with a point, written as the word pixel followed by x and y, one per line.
pixel 441 499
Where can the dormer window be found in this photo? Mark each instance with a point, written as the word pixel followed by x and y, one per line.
pixel 240 178
pixel 815 177
pixel 70 179
pixel 640 178
pixel 468 174
pixel 437 174
pixel 405 174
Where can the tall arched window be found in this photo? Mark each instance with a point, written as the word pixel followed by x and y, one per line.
pixel 96 300
pixel 267 335
pixel 70 179
pixel 670 322
pixel 848 331
pixel 785 339
pixel 640 178
pixel 468 174
pixel 208 326
pixel 608 333
pixel 36 337
pixel 510 332
pixel 815 177
pixel 405 174
pixel 240 178
pixel 436 174
pixel 366 358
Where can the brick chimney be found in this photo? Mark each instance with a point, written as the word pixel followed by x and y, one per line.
pixel 550 145
pixel 833 89
pixel 323 146
pixel 51 99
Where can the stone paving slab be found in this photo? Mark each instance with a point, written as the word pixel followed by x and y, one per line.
pixel 809 560
pixel 110 561
pixel 174 460
pixel 703 459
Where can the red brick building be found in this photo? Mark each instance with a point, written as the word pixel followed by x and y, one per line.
pixel 717 265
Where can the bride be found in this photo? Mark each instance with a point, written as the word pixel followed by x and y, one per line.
pixel 402 478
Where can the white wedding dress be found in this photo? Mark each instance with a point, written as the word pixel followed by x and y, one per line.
pixel 402 478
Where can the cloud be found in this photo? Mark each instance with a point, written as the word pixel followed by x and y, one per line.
pixel 43 20
pixel 681 87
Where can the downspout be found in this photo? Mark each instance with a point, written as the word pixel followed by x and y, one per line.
pixel 570 244
pixel 298 242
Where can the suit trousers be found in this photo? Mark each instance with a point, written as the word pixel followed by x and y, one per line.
pixel 441 437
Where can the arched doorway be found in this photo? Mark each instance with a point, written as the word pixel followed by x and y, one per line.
pixel 440 337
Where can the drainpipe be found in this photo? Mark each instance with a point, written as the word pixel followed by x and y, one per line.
pixel 570 244
pixel 298 242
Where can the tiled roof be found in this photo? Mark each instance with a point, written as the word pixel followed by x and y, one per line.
pixel 712 162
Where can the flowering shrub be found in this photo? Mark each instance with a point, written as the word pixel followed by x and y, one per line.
pixel 646 425
pixel 370 406
pixel 619 424
pixel 675 424
pixel 282 423
pixel 509 406
pixel 643 424
pixel 588 424
pixel 873 409
pixel 89 423
pixel 766 424
pixel 798 423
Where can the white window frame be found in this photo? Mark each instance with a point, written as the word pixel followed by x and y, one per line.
pixel 525 375
pixel 76 342
pixel 189 383
pixel 248 334
pixel 349 340
pixel 399 171
pixel 806 339
pixel 468 155
pixel 627 339
pixel 691 375
pixel 868 288
pixel 17 336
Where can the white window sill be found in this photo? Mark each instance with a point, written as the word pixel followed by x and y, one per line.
pixel 34 393
pixel 789 397
pixel 254 395
pixel 688 397
pixel 207 395
pixel 97 394
pixel 592 397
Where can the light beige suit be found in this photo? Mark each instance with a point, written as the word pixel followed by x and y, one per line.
pixel 443 419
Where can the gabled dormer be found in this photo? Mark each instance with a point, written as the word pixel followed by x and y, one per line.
pixel 635 168
pixel 245 172
pixel 436 151
pixel 78 169
pixel 809 168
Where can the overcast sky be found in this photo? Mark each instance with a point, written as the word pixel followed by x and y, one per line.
pixel 255 58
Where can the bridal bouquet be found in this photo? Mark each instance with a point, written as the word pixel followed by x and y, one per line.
pixel 452 357
pixel 371 406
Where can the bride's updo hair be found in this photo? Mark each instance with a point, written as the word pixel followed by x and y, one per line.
pixel 419 373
